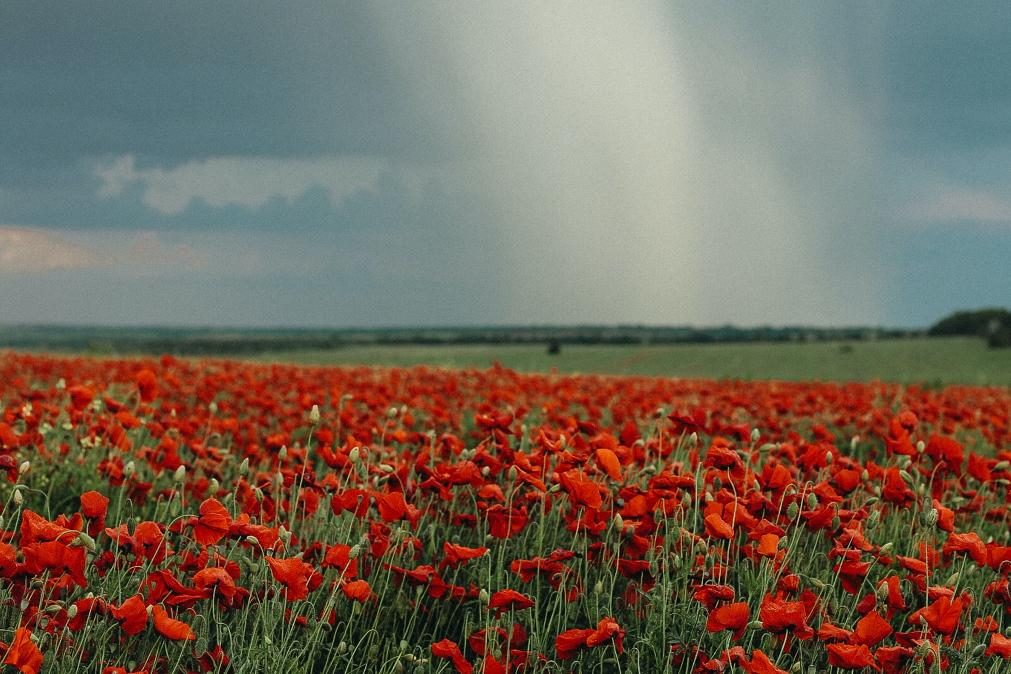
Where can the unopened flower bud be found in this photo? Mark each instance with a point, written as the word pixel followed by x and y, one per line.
pixel 314 415
pixel 24 467
pixel 129 469
pixel 283 452
pixel 180 474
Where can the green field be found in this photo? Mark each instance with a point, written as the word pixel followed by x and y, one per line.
pixel 931 361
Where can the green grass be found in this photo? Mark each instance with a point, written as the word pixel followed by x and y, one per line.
pixel 931 361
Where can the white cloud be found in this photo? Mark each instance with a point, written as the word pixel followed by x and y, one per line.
pixel 30 249
pixel 959 203
pixel 242 181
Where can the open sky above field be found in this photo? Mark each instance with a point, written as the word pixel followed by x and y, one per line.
pixel 343 164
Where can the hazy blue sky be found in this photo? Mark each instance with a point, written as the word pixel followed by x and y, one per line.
pixel 342 164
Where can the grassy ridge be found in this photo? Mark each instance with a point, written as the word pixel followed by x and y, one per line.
pixel 932 361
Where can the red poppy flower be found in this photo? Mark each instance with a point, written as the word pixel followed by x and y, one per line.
pixel 849 656
pixel 358 590
pixel 999 645
pixel 871 629
pixel 170 628
pixel 455 555
pixel 213 523
pixel 761 664
pixel 297 577
pixel 450 650
pixel 505 600
pixel 733 617
pixel 943 615
pixel 23 653
pixel 131 615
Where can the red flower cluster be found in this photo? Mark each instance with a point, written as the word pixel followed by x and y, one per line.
pixel 175 516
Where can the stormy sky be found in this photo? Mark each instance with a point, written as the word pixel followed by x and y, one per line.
pixel 348 164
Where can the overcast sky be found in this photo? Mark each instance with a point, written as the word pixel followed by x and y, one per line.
pixel 344 164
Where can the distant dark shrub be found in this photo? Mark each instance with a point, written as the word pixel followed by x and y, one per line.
pixel 1000 338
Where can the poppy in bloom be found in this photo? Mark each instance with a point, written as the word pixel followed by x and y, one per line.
pixel 850 656
pixel 455 555
pixel 147 384
pixel 607 460
pixel 297 577
pixel 734 617
pixel 358 590
pixel 568 643
pixel 170 628
pixel 999 645
pixel 95 507
pixel 871 629
pixel 213 523
pixel 943 615
pixel 506 600
pixel 23 653
pixel 131 615
pixel 449 650
pixel 761 664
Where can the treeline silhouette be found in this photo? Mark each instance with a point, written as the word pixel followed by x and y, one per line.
pixel 217 341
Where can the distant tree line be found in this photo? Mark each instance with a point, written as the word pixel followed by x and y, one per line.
pixel 212 341
pixel 992 324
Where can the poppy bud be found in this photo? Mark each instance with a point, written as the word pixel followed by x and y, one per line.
pixel 387 468
pixel 24 467
pixel 1002 465
pixel 392 412
pixel 84 540
pixel 619 522
pixel 215 485
pixel 483 596
pixel 283 452
pixel 355 455
pixel 314 415
pixel 72 611
pixel 829 458
pixel 836 523
pixel 930 517
pixel 792 510
pixel 921 446
pixel 244 466
pixel 485 471
pixel 755 435
pixel 873 519
pixel 212 408
pixel 865 475
pixel 129 469
pixel 18 497
pixel 887 548
pixel 342 647
pixel 355 551
pixel 812 501
pixel 180 474
pixel 253 540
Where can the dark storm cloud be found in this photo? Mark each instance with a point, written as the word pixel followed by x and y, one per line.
pixel 174 80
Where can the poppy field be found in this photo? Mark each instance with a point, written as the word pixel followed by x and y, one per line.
pixel 164 515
